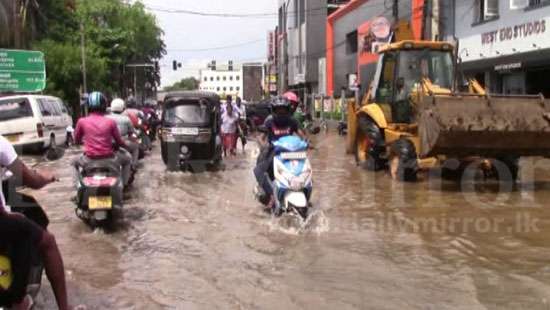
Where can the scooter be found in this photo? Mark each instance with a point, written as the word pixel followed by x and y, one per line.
pixel 292 183
pixel 33 268
pixel 99 192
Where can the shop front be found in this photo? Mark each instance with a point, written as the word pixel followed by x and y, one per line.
pixel 512 59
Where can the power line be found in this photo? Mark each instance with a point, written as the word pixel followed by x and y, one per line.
pixel 323 10
pixel 219 47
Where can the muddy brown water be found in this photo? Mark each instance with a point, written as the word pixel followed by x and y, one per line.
pixel 200 241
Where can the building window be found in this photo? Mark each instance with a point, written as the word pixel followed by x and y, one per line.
pixel 351 42
pixel 302 12
pixel 217 78
pixel 211 79
pixel 486 10
pixel 231 78
pixel 238 88
pixel 532 3
pixel 224 88
pixel 217 89
pixel 205 79
pixel 238 77
pixel 224 78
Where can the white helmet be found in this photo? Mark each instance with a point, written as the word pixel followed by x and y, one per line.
pixel 118 105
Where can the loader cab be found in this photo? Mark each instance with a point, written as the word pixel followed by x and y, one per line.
pixel 400 72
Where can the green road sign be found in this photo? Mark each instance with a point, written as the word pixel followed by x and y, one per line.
pixel 22 71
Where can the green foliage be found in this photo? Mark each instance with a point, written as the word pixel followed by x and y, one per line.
pixel 186 84
pixel 63 62
pixel 116 34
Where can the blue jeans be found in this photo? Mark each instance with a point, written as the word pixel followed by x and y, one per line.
pixel 264 169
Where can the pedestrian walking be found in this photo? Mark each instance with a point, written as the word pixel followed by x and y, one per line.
pixel 230 121
pixel 242 128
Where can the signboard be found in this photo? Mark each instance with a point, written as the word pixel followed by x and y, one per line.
pixel 372 35
pixel 22 71
pixel 514 38
pixel 271 45
pixel 508 67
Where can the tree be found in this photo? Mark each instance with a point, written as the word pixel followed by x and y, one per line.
pixel 64 75
pixel 124 34
pixel 189 83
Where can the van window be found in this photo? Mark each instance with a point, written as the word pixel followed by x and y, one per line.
pixel 45 108
pixel 63 107
pixel 15 108
pixel 55 107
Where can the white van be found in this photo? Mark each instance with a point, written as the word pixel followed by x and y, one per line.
pixel 33 121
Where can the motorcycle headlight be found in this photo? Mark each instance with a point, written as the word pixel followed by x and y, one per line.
pixel 284 173
pixel 184 149
pixel 297 184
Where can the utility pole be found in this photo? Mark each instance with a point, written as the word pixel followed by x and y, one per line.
pixel 16 25
pixel 396 10
pixel 83 52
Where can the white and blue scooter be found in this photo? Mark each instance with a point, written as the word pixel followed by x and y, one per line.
pixel 292 184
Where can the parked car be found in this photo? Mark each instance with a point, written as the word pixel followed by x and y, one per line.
pixel 34 122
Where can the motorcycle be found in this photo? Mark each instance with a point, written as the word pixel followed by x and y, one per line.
pixel 99 192
pixel 292 183
pixel 32 269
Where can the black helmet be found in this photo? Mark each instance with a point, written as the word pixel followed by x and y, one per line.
pixel 96 102
pixel 280 102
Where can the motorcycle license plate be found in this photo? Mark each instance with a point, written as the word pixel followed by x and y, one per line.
pixel 294 155
pixel 186 131
pixel 100 203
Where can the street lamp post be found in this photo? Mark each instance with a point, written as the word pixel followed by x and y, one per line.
pixel 83 52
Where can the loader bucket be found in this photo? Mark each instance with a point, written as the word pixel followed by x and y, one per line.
pixel 461 125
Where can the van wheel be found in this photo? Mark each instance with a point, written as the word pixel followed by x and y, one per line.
pixel 164 154
pixel 52 153
pixel 404 162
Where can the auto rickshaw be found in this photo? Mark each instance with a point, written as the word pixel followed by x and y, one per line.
pixel 190 133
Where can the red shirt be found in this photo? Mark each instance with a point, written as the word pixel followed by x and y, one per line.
pixel 97 132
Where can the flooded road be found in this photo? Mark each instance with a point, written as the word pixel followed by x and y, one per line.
pixel 202 242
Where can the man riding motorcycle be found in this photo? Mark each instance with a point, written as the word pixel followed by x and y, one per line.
pixel 17 230
pixel 125 127
pixel 98 132
pixel 278 125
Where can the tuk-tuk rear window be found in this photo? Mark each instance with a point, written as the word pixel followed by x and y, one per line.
pixel 187 113
pixel 11 109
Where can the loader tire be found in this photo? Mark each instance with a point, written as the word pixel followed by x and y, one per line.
pixel 376 148
pixel 404 160
pixel 507 168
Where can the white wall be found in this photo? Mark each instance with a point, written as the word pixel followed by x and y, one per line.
pixel 233 83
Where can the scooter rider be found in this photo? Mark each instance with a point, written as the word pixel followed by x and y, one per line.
pixel 278 125
pixel 97 132
pixel 125 127
pixel 17 229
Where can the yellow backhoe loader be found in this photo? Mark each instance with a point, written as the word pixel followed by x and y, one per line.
pixel 413 117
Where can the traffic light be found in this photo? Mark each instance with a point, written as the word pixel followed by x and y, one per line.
pixel 176 65
pixel 231 65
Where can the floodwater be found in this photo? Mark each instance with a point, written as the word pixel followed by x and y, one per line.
pixel 200 241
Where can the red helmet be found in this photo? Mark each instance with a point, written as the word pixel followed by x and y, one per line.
pixel 291 96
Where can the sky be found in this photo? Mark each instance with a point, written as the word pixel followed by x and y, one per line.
pixel 183 32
